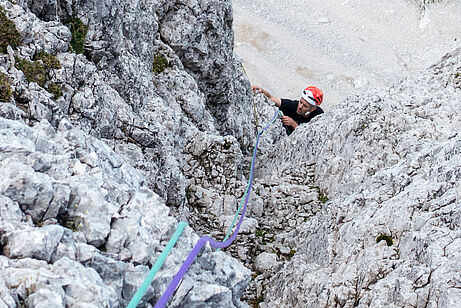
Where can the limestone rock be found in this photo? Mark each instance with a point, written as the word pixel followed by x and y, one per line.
pixel 36 243
pixel 361 205
pixel 390 167
pixel 265 261
pixel 249 225
pixel 99 220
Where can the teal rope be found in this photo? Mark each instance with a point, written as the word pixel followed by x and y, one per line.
pixel 207 240
pixel 244 195
pixel 158 264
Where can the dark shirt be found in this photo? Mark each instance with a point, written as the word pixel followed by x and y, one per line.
pixel 289 107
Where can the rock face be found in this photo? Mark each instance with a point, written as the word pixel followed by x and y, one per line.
pixel 390 162
pixel 98 219
pixel 113 93
pixel 87 173
pixel 154 122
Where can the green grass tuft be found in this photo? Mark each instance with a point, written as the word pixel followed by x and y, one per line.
pixel 79 31
pixel 33 71
pixel 39 71
pixel 323 198
pixel 48 60
pixel 9 34
pixel 160 63
pixel 5 88
pixel 55 90
pixel 260 233
pixel 385 237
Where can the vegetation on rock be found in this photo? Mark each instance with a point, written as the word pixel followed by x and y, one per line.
pixel 385 237
pixel 49 61
pixel 9 34
pixel 33 71
pixel 5 89
pixel 39 71
pixel 160 63
pixel 323 197
pixel 55 89
pixel 79 31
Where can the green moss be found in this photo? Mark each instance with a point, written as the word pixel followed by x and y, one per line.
pixel 323 198
pixel 160 63
pixel 5 88
pixel 457 75
pixel 55 90
pixel 292 253
pixel 79 31
pixel 385 237
pixel 9 34
pixel 260 233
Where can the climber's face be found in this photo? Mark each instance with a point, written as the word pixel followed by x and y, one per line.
pixel 304 108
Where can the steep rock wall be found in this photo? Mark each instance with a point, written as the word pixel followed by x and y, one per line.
pixel 390 162
pixel 202 89
pixel 86 175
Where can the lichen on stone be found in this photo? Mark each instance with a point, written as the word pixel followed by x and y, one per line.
pixel 10 35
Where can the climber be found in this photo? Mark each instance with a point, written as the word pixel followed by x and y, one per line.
pixel 296 112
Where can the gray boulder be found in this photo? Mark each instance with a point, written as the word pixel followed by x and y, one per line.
pixel 37 243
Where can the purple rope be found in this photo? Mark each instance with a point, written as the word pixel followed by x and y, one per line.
pixel 204 239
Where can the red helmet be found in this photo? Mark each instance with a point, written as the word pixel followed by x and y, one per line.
pixel 313 95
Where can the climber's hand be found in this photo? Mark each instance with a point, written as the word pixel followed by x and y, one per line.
pixel 287 121
pixel 256 89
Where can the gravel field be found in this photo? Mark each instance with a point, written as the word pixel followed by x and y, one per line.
pixel 342 46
